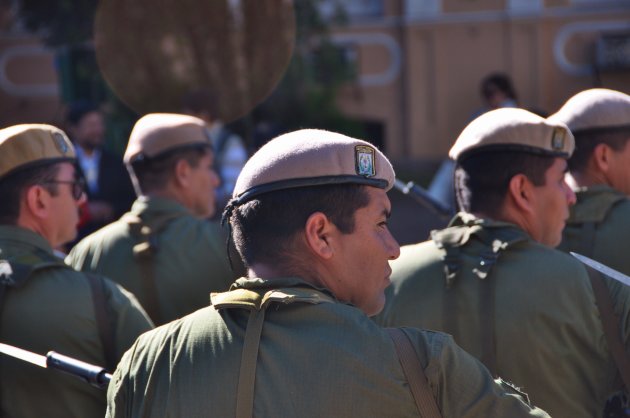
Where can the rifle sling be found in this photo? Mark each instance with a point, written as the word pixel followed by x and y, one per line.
pixel 420 390
pixel 610 322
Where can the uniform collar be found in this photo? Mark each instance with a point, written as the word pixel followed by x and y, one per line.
pixel 23 236
pixel 275 283
pixel 146 204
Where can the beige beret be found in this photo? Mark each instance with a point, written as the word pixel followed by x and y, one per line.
pixel 157 133
pixel 595 109
pixel 513 129
pixel 312 157
pixel 24 146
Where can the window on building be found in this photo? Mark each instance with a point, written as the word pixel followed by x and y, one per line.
pixel 424 8
pixel 352 8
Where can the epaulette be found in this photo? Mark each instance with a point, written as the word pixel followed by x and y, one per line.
pixel 260 299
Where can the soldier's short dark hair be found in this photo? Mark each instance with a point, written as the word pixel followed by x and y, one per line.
pixel 587 140
pixel 482 180
pixel 154 173
pixel 14 185
pixel 263 228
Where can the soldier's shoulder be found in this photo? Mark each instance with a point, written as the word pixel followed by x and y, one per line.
pixel 107 234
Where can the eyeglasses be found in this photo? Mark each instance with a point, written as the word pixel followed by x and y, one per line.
pixel 78 186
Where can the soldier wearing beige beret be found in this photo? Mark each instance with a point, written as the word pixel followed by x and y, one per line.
pixel 44 304
pixel 293 339
pixel 599 224
pixel 493 280
pixel 165 250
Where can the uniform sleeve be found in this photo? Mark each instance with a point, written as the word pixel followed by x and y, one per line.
pixel 620 294
pixel 118 388
pixel 130 319
pixel 465 388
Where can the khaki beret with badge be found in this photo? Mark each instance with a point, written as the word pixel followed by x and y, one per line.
pixel 23 146
pixel 513 129
pixel 595 109
pixel 312 157
pixel 157 133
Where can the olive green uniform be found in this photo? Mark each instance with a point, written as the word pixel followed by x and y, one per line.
pixel 48 306
pixel 317 358
pixel 598 227
pixel 187 263
pixel 482 280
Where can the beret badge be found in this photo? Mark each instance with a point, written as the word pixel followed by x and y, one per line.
pixel 60 143
pixel 364 161
pixel 557 139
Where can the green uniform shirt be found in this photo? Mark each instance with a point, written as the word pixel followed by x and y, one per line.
pixel 548 334
pixel 190 261
pixel 599 226
pixel 53 310
pixel 317 358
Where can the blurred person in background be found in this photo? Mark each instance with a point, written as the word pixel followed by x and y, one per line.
pixel 109 189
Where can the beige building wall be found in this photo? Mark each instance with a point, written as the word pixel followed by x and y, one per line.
pixel 547 47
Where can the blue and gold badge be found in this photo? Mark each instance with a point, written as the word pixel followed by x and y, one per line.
pixel 364 161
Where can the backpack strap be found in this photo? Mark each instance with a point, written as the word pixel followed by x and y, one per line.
pixel 257 301
pixel 144 251
pixel 105 327
pixel 416 378
pixel 610 322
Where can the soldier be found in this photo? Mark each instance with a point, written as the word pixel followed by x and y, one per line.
pixel 164 250
pixel 45 305
pixel 493 280
pixel 309 217
pixel 600 169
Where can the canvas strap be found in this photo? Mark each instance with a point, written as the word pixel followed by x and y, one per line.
pixel 610 322
pixel 249 358
pixel 422 395
pixel 103 323
pixel 144 251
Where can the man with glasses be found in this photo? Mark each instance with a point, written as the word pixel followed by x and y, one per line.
pixel 44 304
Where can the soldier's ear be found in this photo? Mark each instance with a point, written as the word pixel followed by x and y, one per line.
pixel 35 202
pixel 319 235
pixel 520 193
pixel 181 173
pixel 600 157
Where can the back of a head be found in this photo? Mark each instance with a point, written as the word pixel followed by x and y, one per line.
pixel 28 153
pixel 500 144
pixel 498 82
pixel 295 175
pixel 157 141
pixel 78 109
pixel 595 116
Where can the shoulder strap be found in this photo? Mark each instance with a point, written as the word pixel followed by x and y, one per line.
pixel 610 322
pixel 103 323
pixel 249 358
pixel 257 301
pixel 144 252
pixel 425 401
